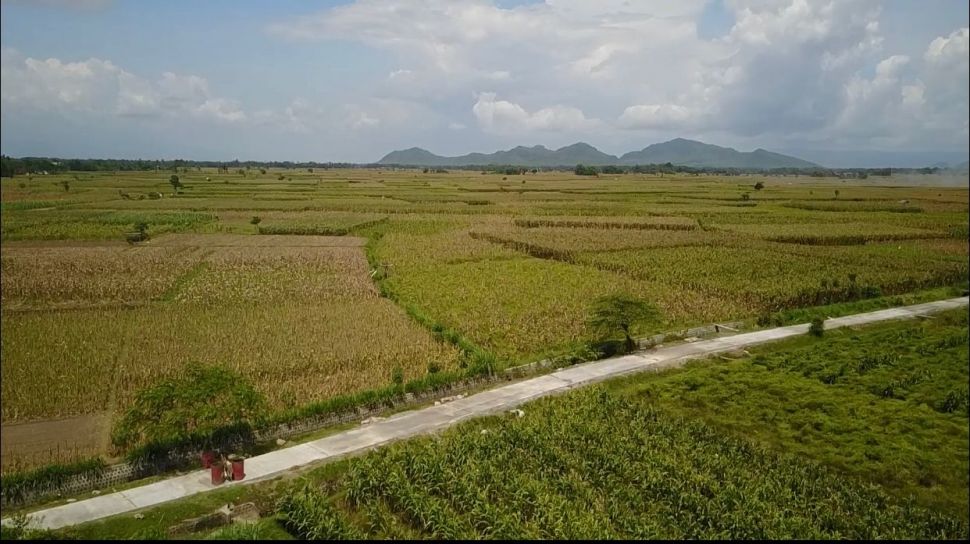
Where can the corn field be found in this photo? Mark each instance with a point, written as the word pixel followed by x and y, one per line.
pixel 594 466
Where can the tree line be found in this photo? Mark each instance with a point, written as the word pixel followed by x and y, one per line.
pixel 10 166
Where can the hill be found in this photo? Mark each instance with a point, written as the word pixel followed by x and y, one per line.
pixel 678 151
pixel 693 153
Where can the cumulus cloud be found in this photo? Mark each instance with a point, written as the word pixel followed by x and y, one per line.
pixel 501 116
pixel 782 73
pixel 786 69
pixel 98 86
pixel 648 116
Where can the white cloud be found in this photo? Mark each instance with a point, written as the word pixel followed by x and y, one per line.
pixel 501 115
pixel 647 116
pixel 951 49
pixel 620 73
pixel 97 86
pixel 920 102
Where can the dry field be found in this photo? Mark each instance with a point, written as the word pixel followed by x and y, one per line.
pixel 84 328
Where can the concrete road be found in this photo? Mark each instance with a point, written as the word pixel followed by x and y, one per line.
pixel 426 420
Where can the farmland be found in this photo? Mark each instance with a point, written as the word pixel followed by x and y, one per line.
pixel 801 440
pixel 319 297
pixel 859 434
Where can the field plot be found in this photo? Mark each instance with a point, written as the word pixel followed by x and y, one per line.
pixel 304 322
pixel 45 277
pixel 60 224
pixel 887 404
pixel 770 279
pixel 831 234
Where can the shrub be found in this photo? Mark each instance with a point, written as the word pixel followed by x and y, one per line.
pixel 397 376
pixel 817 328
pixel 201 400
pixel 871 291
pixel 615 313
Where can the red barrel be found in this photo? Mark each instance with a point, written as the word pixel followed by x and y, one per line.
pixel 217 475
pixel 208 457
pixel 237 469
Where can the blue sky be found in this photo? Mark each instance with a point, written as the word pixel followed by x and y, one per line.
pixel 297 80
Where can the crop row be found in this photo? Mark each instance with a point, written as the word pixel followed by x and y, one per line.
pixel 592 466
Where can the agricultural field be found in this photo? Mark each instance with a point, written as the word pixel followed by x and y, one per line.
pixel 316 284
pixel 299 317
pixel 859 434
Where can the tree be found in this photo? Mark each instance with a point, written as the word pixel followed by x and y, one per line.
pixel 255 221
pixel 192 405
pixel 836 193
pixel 585 170
pixel 176 184
pixel 759 186
pixel 67 185
pixel 140 234
pixel 619 313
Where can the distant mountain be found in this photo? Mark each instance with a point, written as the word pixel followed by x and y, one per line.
pixel 520 156
pixel 679 152
pixel 698 154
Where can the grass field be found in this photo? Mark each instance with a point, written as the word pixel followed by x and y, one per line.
pixel 511 264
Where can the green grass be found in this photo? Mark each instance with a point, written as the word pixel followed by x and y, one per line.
pixel 96 225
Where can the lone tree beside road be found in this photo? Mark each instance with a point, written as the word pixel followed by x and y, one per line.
pixel 201 400
pixel 620 312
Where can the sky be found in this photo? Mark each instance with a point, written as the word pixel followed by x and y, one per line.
pixel 351 81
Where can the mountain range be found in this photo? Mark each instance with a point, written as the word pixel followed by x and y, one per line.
pixel 677 151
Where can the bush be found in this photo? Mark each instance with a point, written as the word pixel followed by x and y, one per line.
pixel 871 291
pixel 200 401
pixel 817 328
pixel 397 376
pixel 619 313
